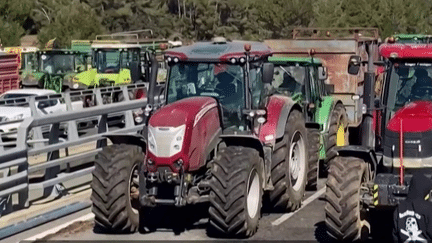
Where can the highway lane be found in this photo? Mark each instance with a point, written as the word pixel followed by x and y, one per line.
pixel 304 224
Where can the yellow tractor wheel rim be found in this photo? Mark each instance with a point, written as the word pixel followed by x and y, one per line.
pixel 340 136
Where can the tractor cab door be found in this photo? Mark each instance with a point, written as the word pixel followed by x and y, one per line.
pixel 312 93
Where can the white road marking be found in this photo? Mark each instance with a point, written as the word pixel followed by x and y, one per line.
pixel 56 229
pixel 286 216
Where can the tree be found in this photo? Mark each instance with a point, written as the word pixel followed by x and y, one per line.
pixel 13 15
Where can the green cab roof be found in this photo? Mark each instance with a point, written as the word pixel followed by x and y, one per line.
pixel 306 60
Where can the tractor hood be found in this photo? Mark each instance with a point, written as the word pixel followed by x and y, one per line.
pixel 181 112
pixel 414 122
pixel 183 131
pixel 415 117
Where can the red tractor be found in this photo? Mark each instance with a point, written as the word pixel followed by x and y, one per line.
pixel 219 137
pixel 370 180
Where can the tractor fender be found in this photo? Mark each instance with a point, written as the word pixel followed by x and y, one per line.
pixel 137 140
pixel 255 143
pixel 325 116
pixel 362 152
pixel 278 109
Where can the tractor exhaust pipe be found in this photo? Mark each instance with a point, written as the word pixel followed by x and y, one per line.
pixel 368 100
pixel 153 79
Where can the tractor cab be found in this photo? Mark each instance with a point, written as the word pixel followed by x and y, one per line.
pixel 410 39
pixel 219 70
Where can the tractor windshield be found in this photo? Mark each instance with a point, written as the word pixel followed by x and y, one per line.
pixel 289 79
pixel 409 82
pixel 57 63
pixel 222 81
pixel 112 60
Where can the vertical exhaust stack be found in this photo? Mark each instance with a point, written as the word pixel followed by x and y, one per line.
pixel 369 81
pixel 153 79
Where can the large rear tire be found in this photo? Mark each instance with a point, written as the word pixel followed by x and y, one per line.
pixel 313 152
pixel 236 192
pixel 289 165
pixel 337 133
pixel 115 188
pixel 345 216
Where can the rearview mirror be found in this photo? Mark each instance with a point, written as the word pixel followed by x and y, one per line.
pixel 268 71
pixel 322 73
pixel 354 65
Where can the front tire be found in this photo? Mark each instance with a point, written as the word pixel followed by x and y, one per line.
pixel 115 188
pixel 313 152
pixel 289 173
pixel 236 192
pixel 345 217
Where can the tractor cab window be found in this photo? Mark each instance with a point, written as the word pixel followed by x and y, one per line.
pixel 128 57
pixel 108 61
pixel 409 82
pixel 289 79
pixel 256 86
pixel 57 63
pixel 221 81
pixel 28 61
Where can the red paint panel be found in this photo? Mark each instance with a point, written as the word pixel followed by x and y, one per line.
pixel 9 72
pixel 406 50
pixel 200 114
pixel 416 116
pixel 274 109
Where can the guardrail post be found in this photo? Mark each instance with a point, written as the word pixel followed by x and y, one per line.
pixel 52 171
pixel 129 120
pixel 72 126
pixel 37 131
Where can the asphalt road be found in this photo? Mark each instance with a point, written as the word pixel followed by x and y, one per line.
pixel 305 224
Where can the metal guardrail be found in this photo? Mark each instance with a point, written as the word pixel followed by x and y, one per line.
pixel 14 162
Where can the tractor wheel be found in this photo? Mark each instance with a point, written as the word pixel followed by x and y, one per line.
pixel 345 215
pixel 313 152
pixel 337 133
pixel 236 192
pixel 289 165
pixel 115 188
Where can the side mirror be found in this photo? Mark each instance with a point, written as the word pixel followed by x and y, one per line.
pixel 268 71
pixel 322 73
pixel 354 65
pixel 377 103
pixel 329 88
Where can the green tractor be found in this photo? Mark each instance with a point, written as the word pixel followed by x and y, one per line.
pixel 302 79
pixel 55 70
pixel 410 39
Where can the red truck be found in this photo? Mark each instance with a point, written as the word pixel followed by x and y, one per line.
pixel 9 72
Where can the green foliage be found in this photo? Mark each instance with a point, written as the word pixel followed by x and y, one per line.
pixel 204 19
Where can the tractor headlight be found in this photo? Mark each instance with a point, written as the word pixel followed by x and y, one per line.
pixel 151 141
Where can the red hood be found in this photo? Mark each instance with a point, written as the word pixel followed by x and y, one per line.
pixel 180 112
pixel 416 117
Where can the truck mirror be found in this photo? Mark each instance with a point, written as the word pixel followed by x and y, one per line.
pixel 268 71
pixel 322 73
pixel 329 88
pixel 354 65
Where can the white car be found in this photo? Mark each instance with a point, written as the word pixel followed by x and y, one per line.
pixel 16 112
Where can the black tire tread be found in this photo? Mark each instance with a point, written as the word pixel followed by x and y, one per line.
pixel 343 197
pixel 313 152
pixel 109 184
pixel 339 112
pixel 227 210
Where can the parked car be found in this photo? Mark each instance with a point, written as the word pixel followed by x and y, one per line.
pixel 17 111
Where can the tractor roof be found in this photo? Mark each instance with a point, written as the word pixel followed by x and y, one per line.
pixel 306 60
pixel 115 46
pixel 406 51
pixel 218 50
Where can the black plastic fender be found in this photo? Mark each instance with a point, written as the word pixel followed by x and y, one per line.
pixel 362 152
pixel 137 140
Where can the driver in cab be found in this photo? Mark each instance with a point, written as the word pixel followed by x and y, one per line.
pixel 422 89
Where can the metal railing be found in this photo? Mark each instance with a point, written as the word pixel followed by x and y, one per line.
pixel 22 178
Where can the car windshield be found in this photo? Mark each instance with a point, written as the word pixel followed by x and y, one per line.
pixel 409 82
pixel 57 63
pixel 289 79
pixel 222 81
